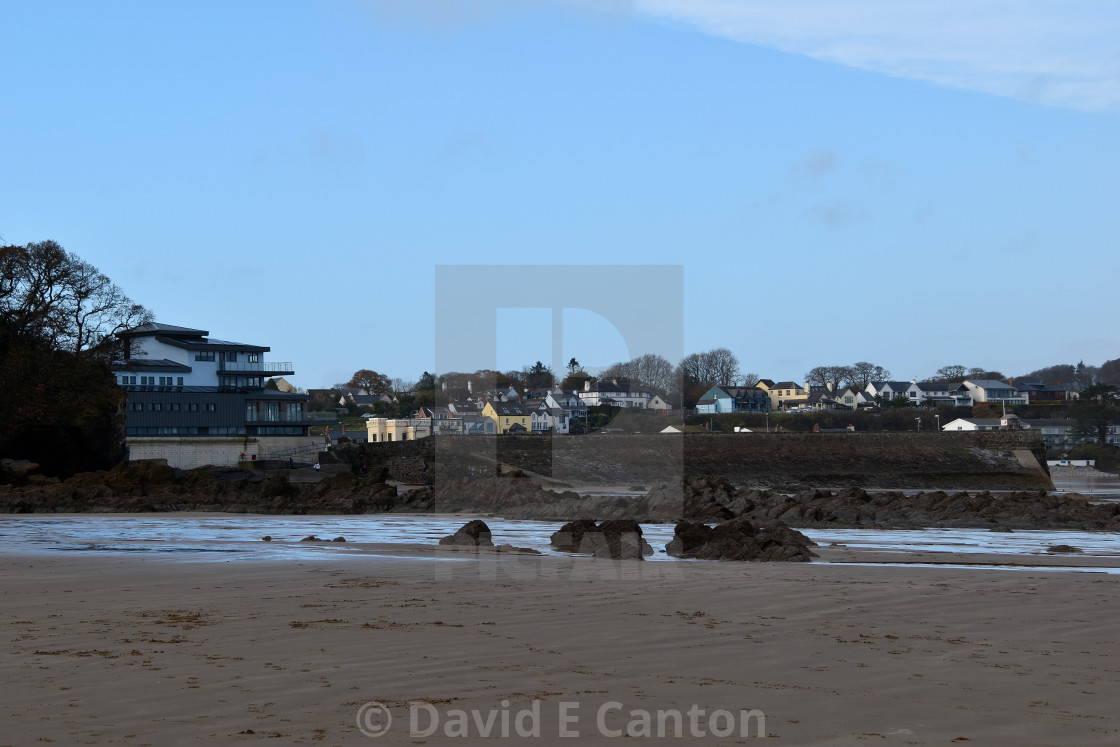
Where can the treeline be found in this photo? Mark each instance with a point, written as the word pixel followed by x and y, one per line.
pixel 684 383
pixel 60 405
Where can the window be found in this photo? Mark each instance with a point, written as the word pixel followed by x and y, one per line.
pixel 250 411
pixel 211 407
pixel 204 355
pixel 173 407
pixel 155 406
pixel 192 407
pixel 272 411
pixel 295 411
pixel 254 357
pixel 137 405
pixel 180 381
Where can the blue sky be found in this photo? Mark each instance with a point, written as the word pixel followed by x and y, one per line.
pixel 915 184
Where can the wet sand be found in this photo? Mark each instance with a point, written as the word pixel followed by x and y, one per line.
pixel 147 650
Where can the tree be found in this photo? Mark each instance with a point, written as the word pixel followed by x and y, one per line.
pixel 983 373
pixel 573 366
pixel 1109 372
pixel 698 372
pixel 401 386
pixel 537 376
pixel 951 373
pixel 717 366
pixel 900 400
pixel 830 376
pixel 1098 407
pixel 49 294
pixel 576 380
pixel 59 322
pixel 370 381
pixel 427 383
pixel 723 365
pixel 1062 373
pixel 864 372
pixel 649 370
pixel 1085 375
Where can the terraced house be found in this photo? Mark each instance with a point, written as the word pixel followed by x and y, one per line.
pixel 194 400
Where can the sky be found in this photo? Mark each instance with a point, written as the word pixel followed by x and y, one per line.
pixel 913 184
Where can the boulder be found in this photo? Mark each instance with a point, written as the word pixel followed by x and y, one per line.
pixel 475 533
pixel 739 539
pixel 619 539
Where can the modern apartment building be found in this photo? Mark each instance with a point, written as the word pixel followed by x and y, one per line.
pixel 194 400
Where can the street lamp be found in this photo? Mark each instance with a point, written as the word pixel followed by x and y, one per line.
pixel 937 417
pixel 919 419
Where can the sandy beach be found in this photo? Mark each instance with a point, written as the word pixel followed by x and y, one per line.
pixel 149 650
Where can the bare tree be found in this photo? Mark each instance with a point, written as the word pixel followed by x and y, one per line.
pixel 724 366
pixel 700 371
pixel 649 370
pixel 830 376
pixel 402 385
pixel 951 373
pixel 864 372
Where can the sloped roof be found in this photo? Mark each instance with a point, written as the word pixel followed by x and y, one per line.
pixel 151 364
pixel 990 384
pixel 155 328
pixel 508 408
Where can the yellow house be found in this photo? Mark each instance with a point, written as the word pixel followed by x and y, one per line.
pixel 508 417
pixel 397 429
pixel 784 394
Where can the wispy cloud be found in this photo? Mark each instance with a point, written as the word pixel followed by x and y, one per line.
pixel 836 214
pixel 1063 53
pixel 817 164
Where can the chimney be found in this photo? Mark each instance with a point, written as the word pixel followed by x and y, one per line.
pixel 587 385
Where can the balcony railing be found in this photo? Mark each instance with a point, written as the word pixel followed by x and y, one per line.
pixel 259 367
pixel 266 417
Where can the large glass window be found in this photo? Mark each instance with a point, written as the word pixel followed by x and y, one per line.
pixel 272 411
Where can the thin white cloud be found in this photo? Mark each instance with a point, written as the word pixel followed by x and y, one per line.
pixel 817 164
pixel 1062 53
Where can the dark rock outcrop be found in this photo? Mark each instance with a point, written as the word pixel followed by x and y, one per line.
pixel 474 533
pixel 739 539
pixel 155 487
pixel 620 539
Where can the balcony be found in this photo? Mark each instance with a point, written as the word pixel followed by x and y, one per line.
pixel 271 369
